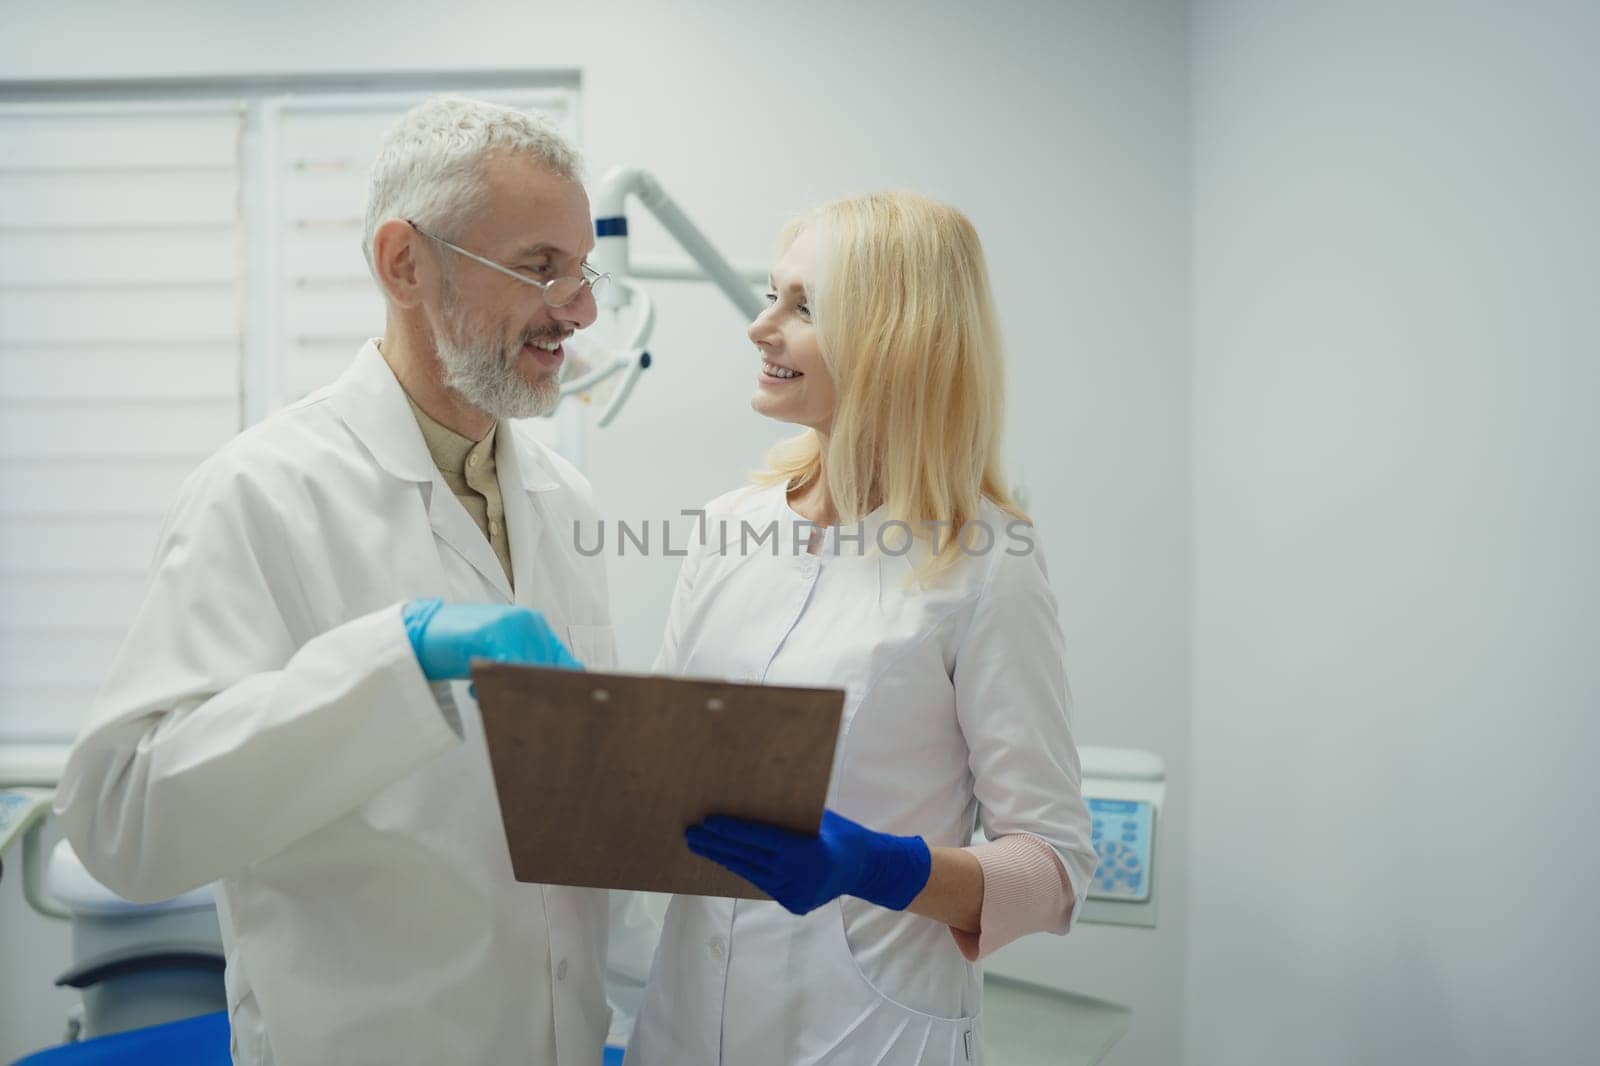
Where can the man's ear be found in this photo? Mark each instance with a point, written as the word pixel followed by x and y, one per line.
pixel 395 261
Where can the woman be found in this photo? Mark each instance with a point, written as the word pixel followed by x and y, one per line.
pixel 881 340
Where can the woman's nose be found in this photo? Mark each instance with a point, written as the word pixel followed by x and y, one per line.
pixel 760 332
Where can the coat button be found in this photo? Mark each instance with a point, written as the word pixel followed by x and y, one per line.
pixel 561 970
pixel 719 948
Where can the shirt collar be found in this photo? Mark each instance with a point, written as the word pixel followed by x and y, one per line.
pixel 451 450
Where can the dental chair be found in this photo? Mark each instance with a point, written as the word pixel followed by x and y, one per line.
pixel 150 975
pixel 137 964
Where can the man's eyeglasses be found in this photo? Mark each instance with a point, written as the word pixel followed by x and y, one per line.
pixel 558 292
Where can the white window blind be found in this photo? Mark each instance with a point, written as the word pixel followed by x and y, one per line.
pixel 119 372
pixel 168 273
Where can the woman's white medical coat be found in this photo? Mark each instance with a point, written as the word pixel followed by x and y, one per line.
pixel 956 710
pixel 266 723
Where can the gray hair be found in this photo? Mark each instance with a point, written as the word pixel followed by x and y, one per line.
pixel 430 166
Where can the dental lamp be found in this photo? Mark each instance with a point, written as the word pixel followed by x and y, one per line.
pixel 625 297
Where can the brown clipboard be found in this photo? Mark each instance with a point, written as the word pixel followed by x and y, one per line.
pixel 598 774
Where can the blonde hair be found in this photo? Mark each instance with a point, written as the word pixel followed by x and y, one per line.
pixel 908 329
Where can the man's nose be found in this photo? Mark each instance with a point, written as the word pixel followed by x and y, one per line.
pixel 580 312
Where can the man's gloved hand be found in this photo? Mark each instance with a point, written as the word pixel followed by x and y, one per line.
pixel 804 872
pixel 447 637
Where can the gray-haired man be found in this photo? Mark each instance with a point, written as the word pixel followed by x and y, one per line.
pixel 270 722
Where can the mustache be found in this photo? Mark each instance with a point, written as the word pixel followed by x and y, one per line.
pixel 545 335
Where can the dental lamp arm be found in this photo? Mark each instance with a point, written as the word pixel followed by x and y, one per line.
pixel 611 246
pixel 611 257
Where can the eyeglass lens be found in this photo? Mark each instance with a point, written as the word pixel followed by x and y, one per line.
pixel 563 291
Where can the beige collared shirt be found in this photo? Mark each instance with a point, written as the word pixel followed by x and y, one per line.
pixel 467 466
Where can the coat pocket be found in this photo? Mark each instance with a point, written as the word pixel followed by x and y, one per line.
pixel 593 646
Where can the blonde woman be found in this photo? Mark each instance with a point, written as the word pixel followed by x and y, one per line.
pixel 904 573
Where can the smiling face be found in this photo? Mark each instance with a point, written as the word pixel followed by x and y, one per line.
pixel 793 383
pixel 499 343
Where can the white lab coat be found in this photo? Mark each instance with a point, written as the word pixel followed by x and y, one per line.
pixel 266 724
pixel 956 709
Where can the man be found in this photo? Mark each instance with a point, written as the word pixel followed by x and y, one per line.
pixel 289 713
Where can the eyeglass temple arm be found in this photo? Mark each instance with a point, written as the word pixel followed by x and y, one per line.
pixel 490 263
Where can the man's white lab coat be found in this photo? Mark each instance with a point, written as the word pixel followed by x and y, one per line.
pixel 266 724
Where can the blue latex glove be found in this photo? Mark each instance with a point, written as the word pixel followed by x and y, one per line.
pixel 804 872
pixel 447 637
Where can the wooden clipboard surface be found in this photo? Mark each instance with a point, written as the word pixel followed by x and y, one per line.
pixel 598 774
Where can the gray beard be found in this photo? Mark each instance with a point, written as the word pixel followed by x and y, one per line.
pixel 487 377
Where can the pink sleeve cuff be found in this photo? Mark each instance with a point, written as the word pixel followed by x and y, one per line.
pixel 1025 890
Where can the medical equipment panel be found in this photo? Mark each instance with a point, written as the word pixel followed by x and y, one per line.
pixel 1123 841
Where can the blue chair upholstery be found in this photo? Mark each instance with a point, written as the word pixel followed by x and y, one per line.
pixel 199 1041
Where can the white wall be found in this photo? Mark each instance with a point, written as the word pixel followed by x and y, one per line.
pixel 1396 485
pixel 1062 128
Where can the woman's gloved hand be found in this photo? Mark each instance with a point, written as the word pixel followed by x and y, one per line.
pixel 804 872
pixel 447 637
